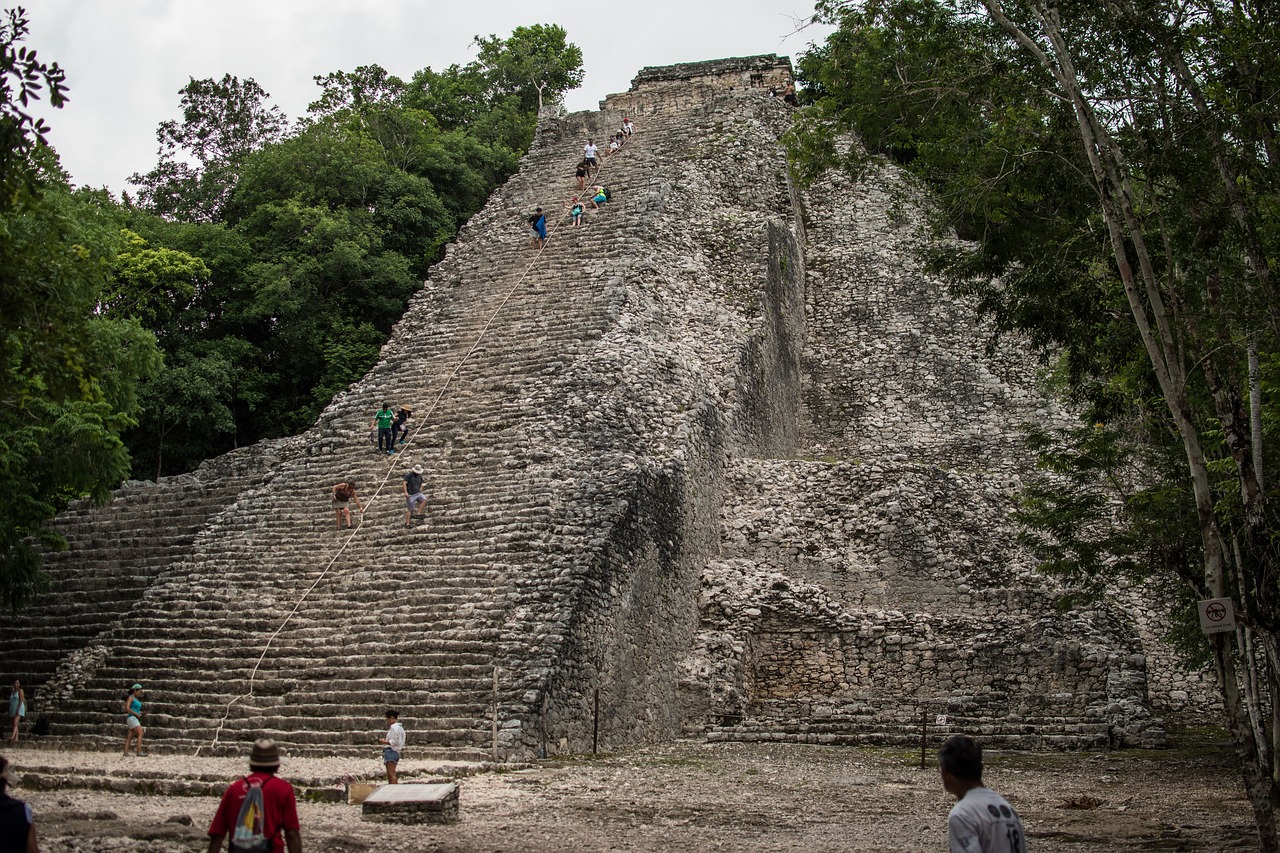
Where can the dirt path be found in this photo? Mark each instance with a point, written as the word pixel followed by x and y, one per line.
pixel 700 797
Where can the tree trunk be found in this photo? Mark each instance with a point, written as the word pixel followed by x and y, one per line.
pixel 1165 349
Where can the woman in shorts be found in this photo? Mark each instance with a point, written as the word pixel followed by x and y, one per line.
pixel 133 717
pixel 343 496
pixel 17 708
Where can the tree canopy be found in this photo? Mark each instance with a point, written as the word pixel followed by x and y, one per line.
pixel 69 374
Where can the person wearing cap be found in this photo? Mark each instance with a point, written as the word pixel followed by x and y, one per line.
pixel 279 804
pixel 133 717
pixel 399 428
pixel 17 824
pixel 538 222
pixel 413 496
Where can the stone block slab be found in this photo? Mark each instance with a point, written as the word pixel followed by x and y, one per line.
pixel 412 803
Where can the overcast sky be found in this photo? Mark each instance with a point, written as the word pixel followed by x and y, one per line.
pixel 126 59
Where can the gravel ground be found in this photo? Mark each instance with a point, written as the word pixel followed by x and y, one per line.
pixel 687 796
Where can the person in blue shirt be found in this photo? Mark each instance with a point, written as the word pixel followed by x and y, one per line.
pixel 538 222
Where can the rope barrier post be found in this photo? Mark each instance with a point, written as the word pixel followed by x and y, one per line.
pixel 924 729
pixel 542 727
pixel 495 715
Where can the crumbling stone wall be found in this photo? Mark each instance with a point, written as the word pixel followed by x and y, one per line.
pixel 877 579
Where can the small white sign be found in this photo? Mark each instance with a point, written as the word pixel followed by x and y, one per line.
pixel 1217 616
pixel 940 720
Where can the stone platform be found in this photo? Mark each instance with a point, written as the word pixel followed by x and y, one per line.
pixel 413 803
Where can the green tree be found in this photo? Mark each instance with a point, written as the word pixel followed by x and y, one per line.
pixel 69 376
pixel 223 122
pixel 533 63
pixel 22 77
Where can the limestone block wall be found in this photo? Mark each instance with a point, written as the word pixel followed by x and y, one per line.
pixel 877 576
pixel 745 72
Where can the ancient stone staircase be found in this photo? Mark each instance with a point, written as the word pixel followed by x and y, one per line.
pixel 515 601
pixel 405 617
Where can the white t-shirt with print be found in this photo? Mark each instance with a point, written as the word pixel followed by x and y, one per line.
pixel 984 822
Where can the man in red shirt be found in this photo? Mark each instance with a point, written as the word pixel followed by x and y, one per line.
pixel 280 807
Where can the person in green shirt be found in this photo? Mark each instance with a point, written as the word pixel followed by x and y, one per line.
pixel 382 419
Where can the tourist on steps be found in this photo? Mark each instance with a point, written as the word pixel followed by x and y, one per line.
pixel 413 496
pixel 581 175
pixel 589 154
pixel 538 222
pixel 279 820
pixel 983 821
pixel 394 745
pixel 627 127
pixel 133 718
pixel 17 825
pixel 382 420
pixel 400 429
pixel 17 708
pixel 599 195
pixel 343 494
pixel 575 212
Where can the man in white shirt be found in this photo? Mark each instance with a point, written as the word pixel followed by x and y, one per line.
pixel 589 154
pixel 394 745
pixel 983 821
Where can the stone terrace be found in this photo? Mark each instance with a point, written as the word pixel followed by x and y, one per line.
pixel 877 580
